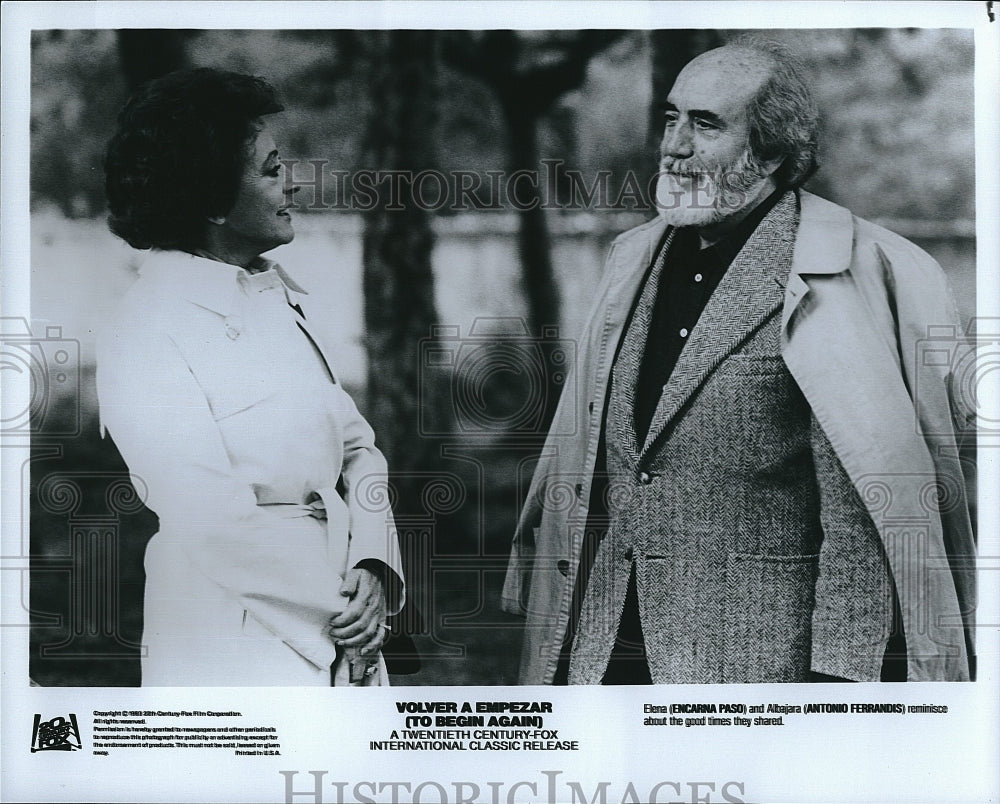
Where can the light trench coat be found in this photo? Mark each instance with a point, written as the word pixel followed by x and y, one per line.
pixel 223 402
pixel 870 334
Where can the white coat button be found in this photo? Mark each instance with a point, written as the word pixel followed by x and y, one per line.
pixel 234 326
pixel 645 478
pixel 684 332
pixel 698 277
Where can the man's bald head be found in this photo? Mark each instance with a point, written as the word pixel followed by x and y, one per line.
pixel 781 115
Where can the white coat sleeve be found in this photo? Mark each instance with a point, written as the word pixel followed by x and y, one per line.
pixel 365 477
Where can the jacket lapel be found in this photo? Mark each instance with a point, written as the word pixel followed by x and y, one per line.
pixel 751 290
pixel 631 264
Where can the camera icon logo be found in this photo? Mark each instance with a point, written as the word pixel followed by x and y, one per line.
pixel 45 375
pixel 966 362
pixel 501 380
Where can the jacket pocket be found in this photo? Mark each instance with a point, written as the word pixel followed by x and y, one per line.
pixel 768 616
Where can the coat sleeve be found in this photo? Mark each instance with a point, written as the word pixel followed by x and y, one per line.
pixel 941 366
pixel 553 462
pixel 372 529
pixel 161 422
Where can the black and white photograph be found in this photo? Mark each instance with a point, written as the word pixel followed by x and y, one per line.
pixel 620 378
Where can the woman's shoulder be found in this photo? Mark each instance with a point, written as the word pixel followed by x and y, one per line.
pixel 152 309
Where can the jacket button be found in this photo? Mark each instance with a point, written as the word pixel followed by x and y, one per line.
pixel 579 489
pixel 629 553
pixel 645 478
pixel 563 566
pixel 590 407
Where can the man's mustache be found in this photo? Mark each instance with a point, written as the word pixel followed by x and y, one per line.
pixel 686 169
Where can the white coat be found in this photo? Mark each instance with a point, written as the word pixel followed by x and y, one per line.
pixel 223 403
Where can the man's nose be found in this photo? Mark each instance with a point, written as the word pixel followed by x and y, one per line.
pixel 677 141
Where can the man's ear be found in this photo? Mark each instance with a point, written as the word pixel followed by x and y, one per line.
pixel 768 166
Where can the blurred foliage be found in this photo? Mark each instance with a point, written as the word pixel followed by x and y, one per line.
pixel 77 89
pixel 897 109
pixel 897 113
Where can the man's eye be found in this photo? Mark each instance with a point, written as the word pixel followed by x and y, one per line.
pixel 704 125
pixel 669 118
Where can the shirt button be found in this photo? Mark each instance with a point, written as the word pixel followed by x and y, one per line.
pixel 697 277
pixel 684 332
pixel 645 478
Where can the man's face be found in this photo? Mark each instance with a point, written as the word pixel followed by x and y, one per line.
pixel 707 172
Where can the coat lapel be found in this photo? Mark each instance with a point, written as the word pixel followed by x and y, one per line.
pixel 631 266
pixel 823 245
pixel 625 376
pixel 751 290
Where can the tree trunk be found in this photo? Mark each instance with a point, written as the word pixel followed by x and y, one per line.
pixel 397 244
pixel 538 280
pixel 541 293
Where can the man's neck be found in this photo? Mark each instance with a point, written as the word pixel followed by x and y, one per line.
pixel 714 232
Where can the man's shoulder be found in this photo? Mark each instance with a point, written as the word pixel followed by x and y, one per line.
pixel 868 239
pixel 644 231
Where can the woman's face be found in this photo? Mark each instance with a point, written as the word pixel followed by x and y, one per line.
pixel 259 220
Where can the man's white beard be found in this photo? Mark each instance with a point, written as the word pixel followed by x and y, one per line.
pixel 688 194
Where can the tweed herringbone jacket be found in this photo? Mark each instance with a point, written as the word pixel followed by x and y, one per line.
pixel 854 316
pixel 719 510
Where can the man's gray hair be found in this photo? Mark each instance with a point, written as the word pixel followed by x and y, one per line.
pixel 783 118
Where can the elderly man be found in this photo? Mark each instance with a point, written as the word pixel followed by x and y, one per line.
pixel 766 478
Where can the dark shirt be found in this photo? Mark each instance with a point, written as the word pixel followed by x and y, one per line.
pixel 689 277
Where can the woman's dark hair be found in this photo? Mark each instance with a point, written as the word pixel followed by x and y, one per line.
pixel 178 155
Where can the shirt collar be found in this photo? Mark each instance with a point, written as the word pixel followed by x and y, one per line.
pixel 725 251
pixel 214 285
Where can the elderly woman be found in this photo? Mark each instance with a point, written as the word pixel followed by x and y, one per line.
pixel 277 560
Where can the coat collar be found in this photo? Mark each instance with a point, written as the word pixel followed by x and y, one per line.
pixel 823 246
pixel 824 243
pixel 214 285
